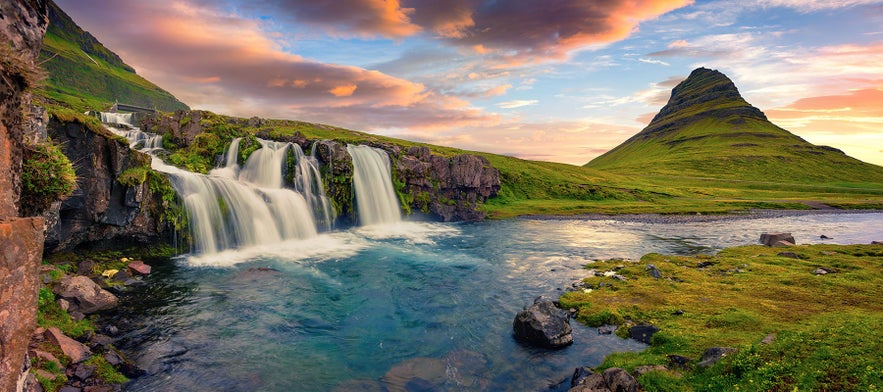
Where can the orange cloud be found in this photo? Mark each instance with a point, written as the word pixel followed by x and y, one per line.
pixel 343 91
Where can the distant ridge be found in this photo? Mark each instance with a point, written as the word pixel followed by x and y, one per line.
pixel 708 130
pixel 84 74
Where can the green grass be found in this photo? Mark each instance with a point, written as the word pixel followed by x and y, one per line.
pixel 827 327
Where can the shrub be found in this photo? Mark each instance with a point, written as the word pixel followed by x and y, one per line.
pixel 47 175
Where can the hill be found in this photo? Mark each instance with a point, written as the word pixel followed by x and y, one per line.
pixel 707 130
pixel 84 74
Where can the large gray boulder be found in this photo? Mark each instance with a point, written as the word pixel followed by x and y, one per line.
pixel 544 325
pixel 770 239
pixel 85 294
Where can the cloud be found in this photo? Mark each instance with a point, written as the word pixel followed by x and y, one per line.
pixel 815 5
pixel 362 18
pixel 517 103
pixel 222 62
pixel 652 61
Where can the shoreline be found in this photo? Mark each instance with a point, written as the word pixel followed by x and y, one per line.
pixel 694 218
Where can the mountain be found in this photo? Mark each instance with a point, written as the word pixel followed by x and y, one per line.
pixel 708 130
pixel 84 74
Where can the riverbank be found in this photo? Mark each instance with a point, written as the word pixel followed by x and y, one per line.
pixel 698 217
pixel 799 318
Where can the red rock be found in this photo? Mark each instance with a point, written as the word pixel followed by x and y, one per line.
pixel 138 267
pixel 76 351
pixel 45 356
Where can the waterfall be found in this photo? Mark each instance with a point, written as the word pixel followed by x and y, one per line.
pixel 376 200
pixel 117 118
pixel 235 207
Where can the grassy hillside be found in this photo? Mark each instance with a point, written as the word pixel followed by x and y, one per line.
pixel 83 74
pixel 708 131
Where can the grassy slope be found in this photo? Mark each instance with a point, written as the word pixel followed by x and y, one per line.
pixel 83 74
pixel 827 327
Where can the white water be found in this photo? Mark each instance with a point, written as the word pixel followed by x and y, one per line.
pixel 117 118
pixel 376 201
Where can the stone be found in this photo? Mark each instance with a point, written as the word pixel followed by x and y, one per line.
pixel 714 354
pixel 46 374
pixel 704 264
pixel 768 339
pixel 85 294
pixel 100 388
pixel 678 361
pixel 45 356
pixel 73 349
pixel 64 304
pixel 620 277
pixel 783 244
pixel 678 312
pixel 619 380
pixel 653 271
pixel 821 271
pixel 641 370
pixel 607 329
pixel 876 242
pixel 138 267
pixel 642 333
pixel 790 255
pixel 579 375
pixel 122 275
pixel 544 325
pixel 592 383
pixel 68 388
pixel 85 267
pixel 113 358
pixel 770 239
pixel 83 372
pixel 824 237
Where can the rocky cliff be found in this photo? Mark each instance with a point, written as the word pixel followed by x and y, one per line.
pixel 103 209
pixel 22 26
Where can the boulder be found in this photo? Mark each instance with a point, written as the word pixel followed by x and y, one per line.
pixel 544 325
pixel 85 294
pixel 643 333
pixel 769 239
pixel 612 380
pixel 138 267
pixel 73 349
pixel 714 354
pixel 678 361
pixel 579 375
pixel 653 271
pixel 821 271
pixel 783 244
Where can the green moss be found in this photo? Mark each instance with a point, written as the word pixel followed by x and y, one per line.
pixel 822 323
pixel 51 385
pixel 105 371
pixel 134 176
pixel 49 314
pixel 47 175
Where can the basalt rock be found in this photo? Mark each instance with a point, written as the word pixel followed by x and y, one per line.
pixel 543 325
pixel 85 294
pixel 101 210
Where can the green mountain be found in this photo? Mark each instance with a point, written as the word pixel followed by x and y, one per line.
pixel 708 130
pixel 83 74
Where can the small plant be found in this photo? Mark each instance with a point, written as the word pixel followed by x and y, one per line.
pixel 47 175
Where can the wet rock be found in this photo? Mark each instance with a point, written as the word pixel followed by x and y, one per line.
pixel 768 339
pixel 101 340
pixel 770 239
pixel 85 267
pixel 714 354
pixel 643 333
pixel 591 383
pixel 466 369
pixel 83 372
pixel 111 330
pixel 619 380
pixel 101 388
pixel 783 244
pixel 138 267
pixel 579 375
pixel 544 325
pixel 429 373
pixel 113 358
pixel 607 329
pixel 73 349
pixel 653 271
pixel 85 294
pixel 122 275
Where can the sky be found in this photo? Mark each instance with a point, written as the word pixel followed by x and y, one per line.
pixel 552 80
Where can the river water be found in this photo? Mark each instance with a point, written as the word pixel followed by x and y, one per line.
pixel 410 306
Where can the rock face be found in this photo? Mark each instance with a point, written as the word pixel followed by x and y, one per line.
pixel 447 187
pixel 22 26
pixel 543 325
pixel 85 294
pixel 182 127
pixel 101 209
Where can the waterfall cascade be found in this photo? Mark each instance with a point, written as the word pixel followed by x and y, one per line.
pixel 117 118
pixel 239 207
pixel 376 200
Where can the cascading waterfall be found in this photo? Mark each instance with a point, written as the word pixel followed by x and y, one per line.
pixel 241 207
pixel 117 118
pixel 376 200
pixel 308 181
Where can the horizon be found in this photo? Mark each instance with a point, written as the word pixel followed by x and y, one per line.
pixel 554 82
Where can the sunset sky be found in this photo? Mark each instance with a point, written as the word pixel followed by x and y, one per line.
pixel 555 80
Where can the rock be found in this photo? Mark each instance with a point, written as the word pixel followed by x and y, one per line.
pixel 653 271
pixel 704 264
pixel 821 271
pixel 73 349
pixel 642 333
pixel 46 374
pixel 45 356
pixel 85 294
pixel 714 354
pixel 100 388
pixel 68 388
pixel 113 358
pixel 620 277
pixel 579 375
pixel 619 380
pixel 85 267
pixel 101 340
pixel 783 244
pixel 77 316
pixel 544 325
pixel 83 372
pixel 876 242
pixel 122 275
pixel 640 370
pixel 425 373
pixel 678 312
pixel 790 255
pixel 768 339
pixel 138 267
pixel 111 330
pixel 678 361
pixel 824 237
pixel 770 239
pixel 63 304
pixel 591 383
pixel 607 329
